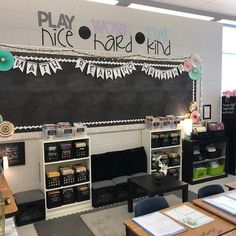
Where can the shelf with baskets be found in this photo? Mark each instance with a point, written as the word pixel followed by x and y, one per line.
pixel 205 159
pixel 65 173
pixel 166 144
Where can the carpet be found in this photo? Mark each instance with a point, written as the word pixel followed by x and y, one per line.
pixel 104 221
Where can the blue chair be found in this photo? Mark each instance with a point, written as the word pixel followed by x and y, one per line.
pixel 147 206
pixel 210 190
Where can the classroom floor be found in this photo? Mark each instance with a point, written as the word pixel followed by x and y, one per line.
pixel 29 230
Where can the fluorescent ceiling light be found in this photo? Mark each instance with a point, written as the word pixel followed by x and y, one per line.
pixel 169 12
pixel 228 22
pixel 110 2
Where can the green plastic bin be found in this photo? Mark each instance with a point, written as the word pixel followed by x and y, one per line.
pixel 199 172
pixel 215 171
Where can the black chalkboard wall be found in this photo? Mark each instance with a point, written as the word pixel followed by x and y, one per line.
pixel 72 95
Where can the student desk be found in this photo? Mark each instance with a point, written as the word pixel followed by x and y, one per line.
pixel 217 227
pixel 147 183
pixel 10 209
pixel 232 233
pixel 214 210
pixel 231 185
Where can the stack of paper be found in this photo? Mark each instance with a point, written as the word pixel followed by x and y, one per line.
pixel 189 216
pixel 223 202
pixel 158 224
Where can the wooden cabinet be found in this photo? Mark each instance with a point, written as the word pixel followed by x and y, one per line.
pixel 65 175
pixel 166 142
pixel 204 160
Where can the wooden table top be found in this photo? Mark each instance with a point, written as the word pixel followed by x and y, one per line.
pixel 217 227
pixel 214 210
pixel 10 209
pixel 231 185
pixel 232 233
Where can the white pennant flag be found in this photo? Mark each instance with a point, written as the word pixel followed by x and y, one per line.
pixel 157 73
pixel 31 68
pixel 181 68
pixel 19 63
pixel 44 68
pixel 169 74
pixel 163 75
pixel 117 72
pixel 109 73
pixel 91 69
pixel 80 63
pixel 55 65
pixel 100 72
pixel 125 70
pixel 145 68
pixel 151 71
pixel 131 67
pixel 175 72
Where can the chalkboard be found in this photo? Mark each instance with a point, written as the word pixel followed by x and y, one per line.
pixel 72 95
pixel 228 109
pixel 14 151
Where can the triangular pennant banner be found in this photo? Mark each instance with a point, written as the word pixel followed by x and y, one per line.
pixel 125 70
pixel 117 72
pixel 163 75
pixel 19 63
pixel 181 68
pixel 55 65
pixel 80 63
pixel 175 72
pixel 31 67
pixel 44 68
pixel 145 68
pixel 100 72
pixel 131 67
pixel 91 69
pixel 157 73
pixel 169 74
pixel 109 73
pixel 151 71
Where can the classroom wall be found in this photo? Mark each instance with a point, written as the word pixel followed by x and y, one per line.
pixel 19 25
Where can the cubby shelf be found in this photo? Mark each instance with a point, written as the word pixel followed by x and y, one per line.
pixel 46 166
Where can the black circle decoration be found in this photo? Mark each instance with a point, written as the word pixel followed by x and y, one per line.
pixel 140 38
pixel 84 32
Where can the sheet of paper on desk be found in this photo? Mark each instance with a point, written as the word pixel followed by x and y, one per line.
pixel 158 224
pixel 230 194
pixel 224 203
pixel 189 216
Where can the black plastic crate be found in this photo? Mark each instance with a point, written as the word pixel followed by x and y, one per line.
pixel 54 199
pixel 51 153
pixel 67 179
pixel 68 196
pixel 65 151
pixel 53 182
pixel 81 177
pixel 31 207
pixel 83 193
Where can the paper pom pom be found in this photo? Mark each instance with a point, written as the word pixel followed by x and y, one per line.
pixel 187 65
pixel 6 129
pixel 195 73
pixel 193 106
pixel 195 116
pixel 6 60
pixel 196 60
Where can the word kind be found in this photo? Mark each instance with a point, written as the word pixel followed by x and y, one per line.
pixel 61 28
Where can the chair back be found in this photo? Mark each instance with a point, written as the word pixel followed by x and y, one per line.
pixel 150 205
pixel 210 190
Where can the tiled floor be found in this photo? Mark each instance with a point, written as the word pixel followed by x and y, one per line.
pixel 28 230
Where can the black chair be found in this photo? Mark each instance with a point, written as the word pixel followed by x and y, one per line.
pixel 147 206
pixel 210 190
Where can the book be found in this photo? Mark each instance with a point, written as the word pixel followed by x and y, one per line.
pixel 159 224
pixel 223 203
pixel 189 216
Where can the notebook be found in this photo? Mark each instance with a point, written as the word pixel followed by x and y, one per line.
pixel 223 203
pixel 158 224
